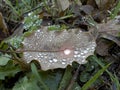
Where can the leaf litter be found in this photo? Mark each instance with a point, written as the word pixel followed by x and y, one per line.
pixel 58 49
pixel 99 11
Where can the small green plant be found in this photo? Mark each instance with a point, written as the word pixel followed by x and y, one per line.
pixel 93 79
pixel 32 22
pixel 116 10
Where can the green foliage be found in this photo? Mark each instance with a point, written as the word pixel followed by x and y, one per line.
pixel 26 84
pixel 56 27
pixel 66 78
pixel 37 76
pixel 32 22
pixel 76 86
pixel 52 78
pixel 4 59
pixel 93 79
pixel 20 7
pixel 13 8
pixel 65 17
pixel 57 79
pixel 84 77
pixel 98 61
pixel 39 81
pixel 113 78
pixel 116 10
pixel 3 45
pixel 116 82
pixel 15 41
pixel 31 82
pixel 91 66
pixel 9 70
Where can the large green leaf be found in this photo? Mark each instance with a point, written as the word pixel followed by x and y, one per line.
pixel 26 84
pixel 8 70
pixel 52 78
pixel 38 77
pixel 4 59
pixel 32 81
pixel 40 81
pixel 66 78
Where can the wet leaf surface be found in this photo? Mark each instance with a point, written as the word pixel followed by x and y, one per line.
pixel 61 48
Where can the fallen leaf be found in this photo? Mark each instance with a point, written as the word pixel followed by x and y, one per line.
pixel 105 45
pixel 108 36
pixel 63 5
pixel 92 3
pixel 87 9
pixel 107 30
pixel 111 27
pixel 3 28
pixel 111 37
pixel 101 3
pixel 58 49
pixel 105 4
pixel 78 2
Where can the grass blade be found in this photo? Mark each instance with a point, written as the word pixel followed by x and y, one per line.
pixel 35 72
pixel 93 79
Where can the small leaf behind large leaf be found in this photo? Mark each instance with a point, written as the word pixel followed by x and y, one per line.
pixel 4 59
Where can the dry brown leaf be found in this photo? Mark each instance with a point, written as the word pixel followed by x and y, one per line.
pixel 102 47
pixel 62 5
pixel 112 27
pixel 109 31
pixel 87 9
pixel 78 2
pixel 69 46
pixel 92 3
pixel 3 28
pixel 104 4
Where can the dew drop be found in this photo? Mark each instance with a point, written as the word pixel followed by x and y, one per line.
pixel 63 62
pixel 81 53
pixel 41 56
pixel 83 56
pixel 83 60
pixel 38 56
pixel 88 49
pixel 45 57
pixel 85 51
pixel 76 52
pixel 78 55
pixel 92 66
pixel 75 56
pixel 38 31
pixel 92 47
pixel 50 61
pixel 67 51
pixel 55 60
pixel 30 56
